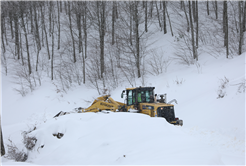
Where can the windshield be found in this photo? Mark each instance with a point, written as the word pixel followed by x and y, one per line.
pixel 141 96
pixel 145 96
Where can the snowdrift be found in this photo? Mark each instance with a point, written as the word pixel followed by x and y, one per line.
pixel 117 138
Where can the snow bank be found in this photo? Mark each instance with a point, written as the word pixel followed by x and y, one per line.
pixel 117 138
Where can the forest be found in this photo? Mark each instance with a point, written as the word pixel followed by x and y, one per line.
pixel 104 43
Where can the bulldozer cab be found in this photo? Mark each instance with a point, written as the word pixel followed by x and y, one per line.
pixel 134 96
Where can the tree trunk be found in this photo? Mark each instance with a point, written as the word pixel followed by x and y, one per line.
pixel 11 25
pixel 46 37
pixel 4 25
pixel 65 7
pixel 78 13
pixel 192 32
pixel 17 48
pixel 61 6
pixel 216 9
pixel 240 9
pixel 113 20
pixel 52 55
pixel 164 17
pixel 226 29
pixel 37 60
pixel 31 18
pixel 244 18
pixel 27 47
pixel 59 25
pixel 137 36
pixel 2 144
pixel 188 24
pixel 21 52
pixel 151 8
pixel 169 20
pixel 207 7
pixel 131 11
pixel 85 27
pixel 146 16
pixel 71 31
pixel 36 28
pixel 101 25
pixel 2 32
pixel 194 10
pixel 197 26
pixel 224 18
pixel 116 10
pixel 158 15
pixel 50 11
pixel 42 27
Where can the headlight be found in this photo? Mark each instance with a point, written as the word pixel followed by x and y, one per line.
pixel 171 107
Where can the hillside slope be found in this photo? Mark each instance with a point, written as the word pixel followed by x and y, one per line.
pixel 213 131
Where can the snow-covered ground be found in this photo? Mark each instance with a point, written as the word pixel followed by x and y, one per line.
pixel 213 132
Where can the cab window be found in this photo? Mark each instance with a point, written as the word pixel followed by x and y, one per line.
pixel 148 94
pixel 139 97
pixel 129 99
pixel 134 96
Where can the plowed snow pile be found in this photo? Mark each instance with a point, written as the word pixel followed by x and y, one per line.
pixel 117 138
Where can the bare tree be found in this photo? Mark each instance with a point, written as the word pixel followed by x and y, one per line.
pixel 164 17
pixel 169 19
pixel 225 21
pixel 84 16
pixel 196 17
pixel 131 17
pixel 146 15
pixel 101 20
pixel 113 21
pixel 3 31
pixel 188 24
pixel 240 11
pixel 158 15
pixel 35 4
pixel 23 6
pixel 78 17
pixel 10 20
pixel 2 150
pixel 216 9
pixel 207 7
pixel 52 53
pixel 244 18
pixel 136 20
pixel 44 29
pixel 151 8
pixel 59 9
pixel 71 30
pixel 50 11
pixel 194 10
pixel 192 33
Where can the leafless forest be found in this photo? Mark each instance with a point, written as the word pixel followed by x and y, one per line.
pixel 104 43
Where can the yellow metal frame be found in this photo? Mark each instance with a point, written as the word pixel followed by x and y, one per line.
pixel 103 103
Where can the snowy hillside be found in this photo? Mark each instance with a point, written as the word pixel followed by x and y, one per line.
pixel 73 65
pixel 213 130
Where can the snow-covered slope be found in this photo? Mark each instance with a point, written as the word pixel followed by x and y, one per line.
pixel 213 131
pixel 117 138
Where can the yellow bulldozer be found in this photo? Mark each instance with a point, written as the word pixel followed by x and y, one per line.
pixel 138 100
